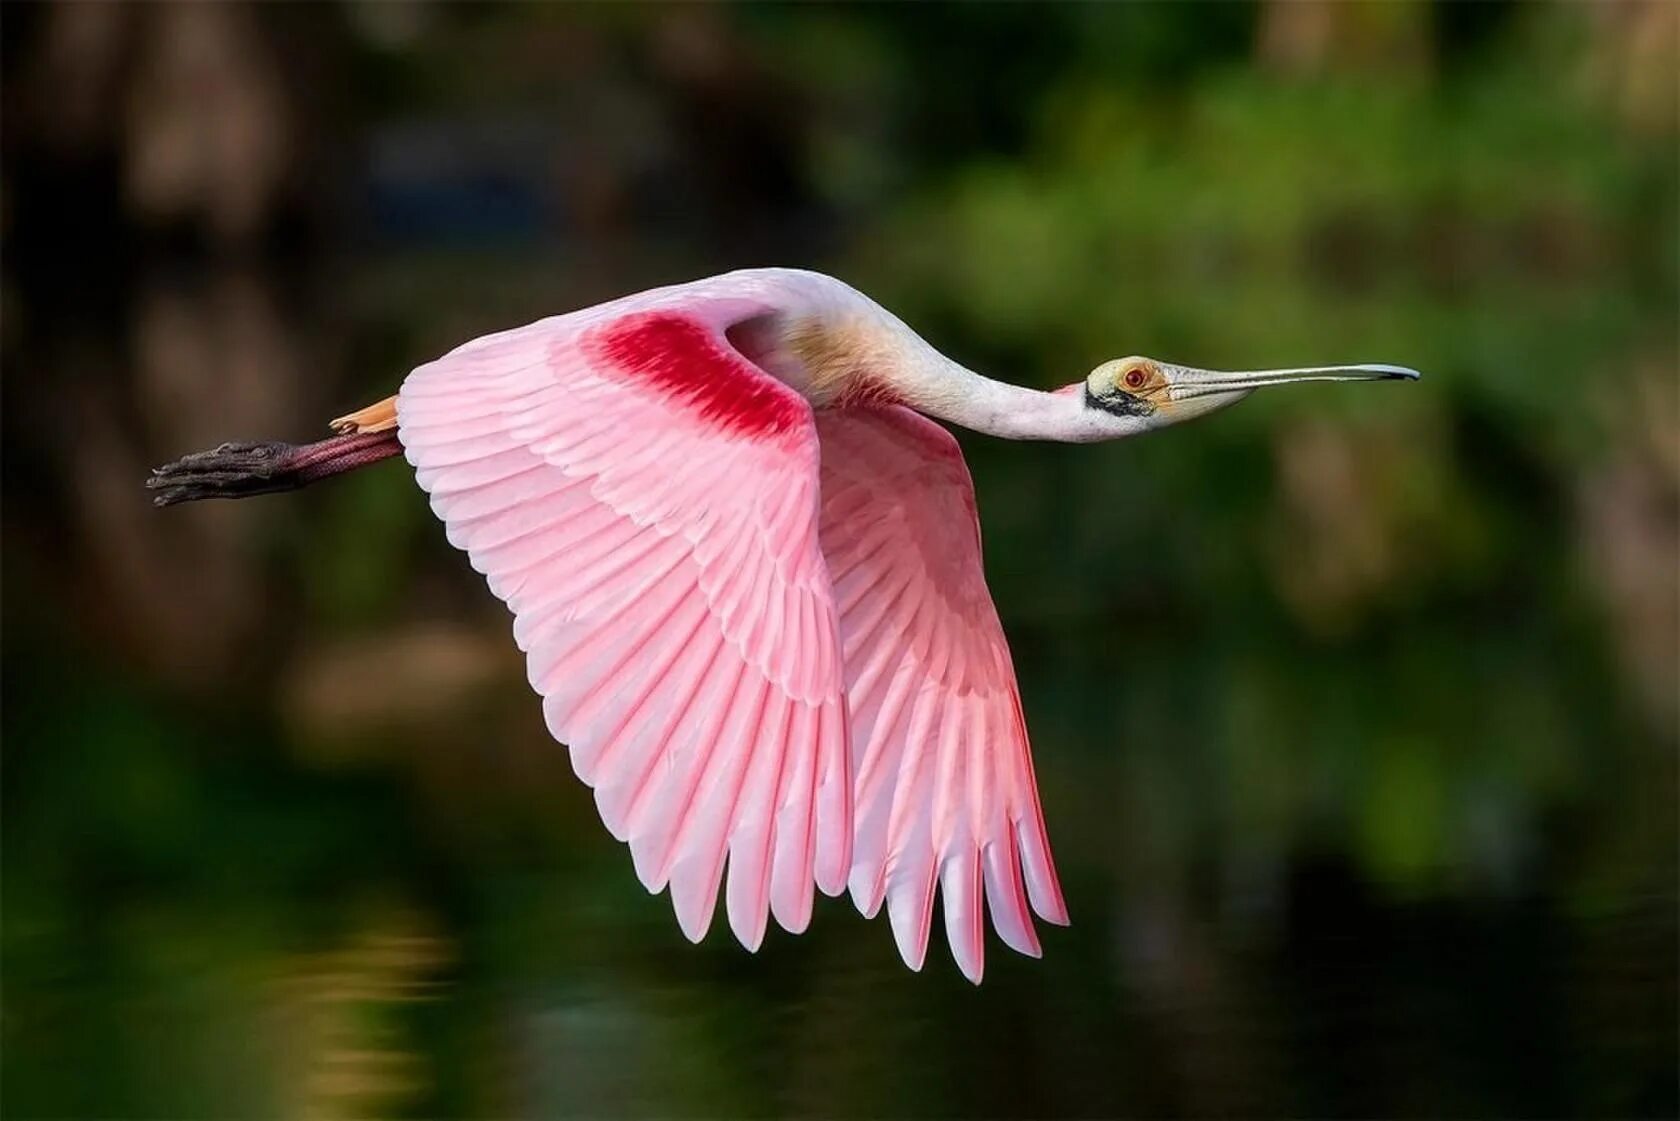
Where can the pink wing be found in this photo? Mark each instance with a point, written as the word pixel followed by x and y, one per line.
pixel 645 501
pixel 944 782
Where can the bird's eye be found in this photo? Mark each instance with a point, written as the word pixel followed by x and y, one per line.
pixel 1134 378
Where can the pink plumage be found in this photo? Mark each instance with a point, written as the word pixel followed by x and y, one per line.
pixel 943 783
pixel 761 629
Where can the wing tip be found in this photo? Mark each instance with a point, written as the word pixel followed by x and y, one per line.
pixel 694 892
pixel 910 915
pixel 1052 908
pixel 793 921
pixel 750 937
pixel 868 889
pixel 832 883
pixel 960 888
pixel 1023 940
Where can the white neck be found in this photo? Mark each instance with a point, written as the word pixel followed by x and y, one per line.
pixel 848 336
pixel 947 391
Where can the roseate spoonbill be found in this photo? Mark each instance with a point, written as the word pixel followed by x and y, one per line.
pixel 745 570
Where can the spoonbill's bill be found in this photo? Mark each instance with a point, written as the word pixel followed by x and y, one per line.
pixel 745 570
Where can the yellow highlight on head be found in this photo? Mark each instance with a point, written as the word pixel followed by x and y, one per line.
pixel 1136 382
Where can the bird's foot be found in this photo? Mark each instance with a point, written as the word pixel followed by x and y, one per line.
pixel 229 471
pixel 241 470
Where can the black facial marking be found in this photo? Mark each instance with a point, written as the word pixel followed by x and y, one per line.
pixel 1119 402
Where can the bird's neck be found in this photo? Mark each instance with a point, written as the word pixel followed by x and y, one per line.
pixel 950 392
pixel 962 397
pixel 839 360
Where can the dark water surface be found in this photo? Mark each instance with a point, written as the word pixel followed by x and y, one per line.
pixel 200 925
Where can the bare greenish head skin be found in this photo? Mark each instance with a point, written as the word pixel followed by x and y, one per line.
pixel 1160 393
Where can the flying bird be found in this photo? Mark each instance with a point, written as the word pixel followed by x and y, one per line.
pixel 744 566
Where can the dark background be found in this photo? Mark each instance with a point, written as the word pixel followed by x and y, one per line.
pixel 1354 707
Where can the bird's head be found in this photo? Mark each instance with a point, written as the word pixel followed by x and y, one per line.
pixel 1155 394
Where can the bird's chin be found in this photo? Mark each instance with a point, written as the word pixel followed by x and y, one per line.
pixel 1176 412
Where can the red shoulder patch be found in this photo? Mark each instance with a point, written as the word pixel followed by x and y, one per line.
pixel 678 357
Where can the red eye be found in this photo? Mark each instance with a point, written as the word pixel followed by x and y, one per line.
pixel 1134 379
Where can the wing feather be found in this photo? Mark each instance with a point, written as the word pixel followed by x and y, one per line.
pixel 775 661
pixel 650 516
pixel 944 791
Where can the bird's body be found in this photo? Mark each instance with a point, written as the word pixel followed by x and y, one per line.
pixel 746 573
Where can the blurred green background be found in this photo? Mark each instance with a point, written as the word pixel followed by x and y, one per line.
pixel 1354 708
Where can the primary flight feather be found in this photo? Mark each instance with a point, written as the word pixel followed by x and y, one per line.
pixel 745 571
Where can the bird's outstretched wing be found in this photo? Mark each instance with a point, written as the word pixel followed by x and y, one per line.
pixel 943 785
pixel 645 501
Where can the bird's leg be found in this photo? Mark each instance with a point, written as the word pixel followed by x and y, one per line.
pixel 241 470
pixel 378 417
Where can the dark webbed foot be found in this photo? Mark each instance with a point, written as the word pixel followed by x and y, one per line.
pixel 230 471
pixel 241 470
